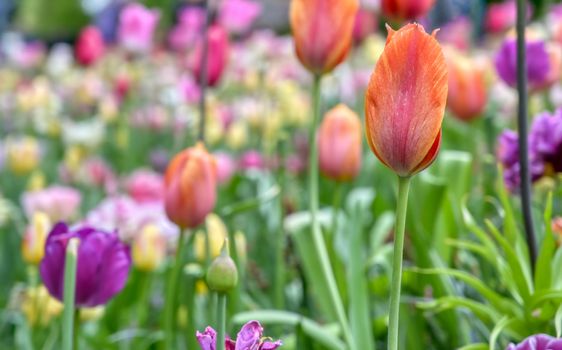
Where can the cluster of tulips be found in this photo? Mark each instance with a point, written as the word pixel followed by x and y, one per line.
pixel 165 194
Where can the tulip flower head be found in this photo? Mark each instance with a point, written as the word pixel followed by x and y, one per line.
pixel 33 244
pixel 136 27
pixel 406 9
pixel 250 337
pixel 217 59
pixel 103 264
pixel 538 62
pixel 322 31
pixel 339 144
pixel 405 101
pixel 190 187
pixel 90 46
pixel 149 248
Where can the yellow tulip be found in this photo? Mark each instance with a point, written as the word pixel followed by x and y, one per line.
pixel 149 248
pixel 38 307
pixel 33 244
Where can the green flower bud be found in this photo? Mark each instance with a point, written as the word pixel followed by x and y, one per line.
pixel 222 275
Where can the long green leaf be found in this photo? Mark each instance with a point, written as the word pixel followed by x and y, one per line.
pixel 496 331
pixel 543 269
pixel 484 312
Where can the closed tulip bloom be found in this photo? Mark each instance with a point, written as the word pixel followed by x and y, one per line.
pixel 149 248
pixel 322 31
pixel 217 56
pixel 339 144
pixel 90 46
pixel 103 264
pixel 33 244
pixel 405 101
pixel 468 91
pixel 406 9
pixel 190 187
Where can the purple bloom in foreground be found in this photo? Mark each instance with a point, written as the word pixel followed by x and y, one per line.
pixel 103 264
pixel 250 337
pixel 538 342
pixel 538 64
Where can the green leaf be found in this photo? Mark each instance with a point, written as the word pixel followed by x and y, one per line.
pixel 478 346
pixel 543 269
pixel 501 304
pixel 558 322
pixel 484 312
pixel 498 328
pixel 322 335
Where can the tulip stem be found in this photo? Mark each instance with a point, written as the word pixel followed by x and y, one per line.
pixel 317 237
pixel 70 265
pixel 169 306
pixel 402 205
pixel 221 320
pixel 204 74
pixel 522 128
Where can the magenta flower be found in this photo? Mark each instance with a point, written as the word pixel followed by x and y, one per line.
pixel 538 342
pixel 145 186
pixel 538 62
pixel 188 29
pixel 237 16
pixel 136 27
pixel 58 202
pixel 250 337
pixel 217 59
pixel 226 167
pixel 252 160
pixel 90 46
pixel 103 264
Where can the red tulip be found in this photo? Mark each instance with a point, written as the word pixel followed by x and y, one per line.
pixel 217 56
pixel 322 31
pixel 90 46
pixel 339 144
pixel 405 100
pixel 468 92
pixel 406 9
pixel 190 187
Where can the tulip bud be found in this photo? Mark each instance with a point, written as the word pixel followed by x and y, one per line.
pixel 190 187
pixel 467 86
pixel 322 31
pixel 222 275
pixel 90 46
pixel 22 154
pixel 406 9
pixel 217 56
pixel 405 101
pixel 339 144
pixel 149 248
pixel 33 244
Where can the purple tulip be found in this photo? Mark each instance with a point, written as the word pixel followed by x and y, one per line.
pixel 250 337
pixel 538 342
pixel 103 264
pixel 538 63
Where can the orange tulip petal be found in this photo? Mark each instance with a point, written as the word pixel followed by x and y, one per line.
pixel 405 99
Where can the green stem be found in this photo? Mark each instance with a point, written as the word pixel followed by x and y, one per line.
pixel 76 329
pixel 70 265
pixel 221 320
pixel 318 239
pixel 169 306
pixel 403 188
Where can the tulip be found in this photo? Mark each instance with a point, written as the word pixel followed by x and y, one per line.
pixel 365 24
pixel 405 101
pixel 250 337
pixel 22 154
pixel 226 167
pixel 538 62
pixel 145 186
pixel 467 86
pixel 217 232
pixel 184 35
pixel 39 307
pixel 103 264
pixel 500 16
pixel 238 15
pixel 406 9
pixel 136 27
pixel 90 46
pixel 33 244
pixel 217 59
pixel 59 203
pixel 322 31
pixel 190 187
pixel 537 342
pixel 149 248
pixel 339 144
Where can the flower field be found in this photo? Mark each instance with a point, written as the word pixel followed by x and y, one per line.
pixel 260 175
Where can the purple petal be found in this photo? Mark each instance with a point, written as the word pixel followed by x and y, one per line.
pixel 271 345
pixel 249 336
pixel 207 340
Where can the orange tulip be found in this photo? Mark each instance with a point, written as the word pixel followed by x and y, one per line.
pixel 339 144
pixel 190 187
pixel 468 91
pixel 322 31
pixel 406 9
pixel 405 100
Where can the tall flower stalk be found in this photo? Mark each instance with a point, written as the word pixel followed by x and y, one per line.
pixel 525 183
pixel 204 73
pixel 70 267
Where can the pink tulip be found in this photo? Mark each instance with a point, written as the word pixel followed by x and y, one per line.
pixel 136 27
pixel 237 16
pixel 90 46
pixel 58 202
pixel 365 24
pixel 226 167
pixel 252 160
pixel 217 56
pixel 184 35
pixel 145 186
pixel 501 16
